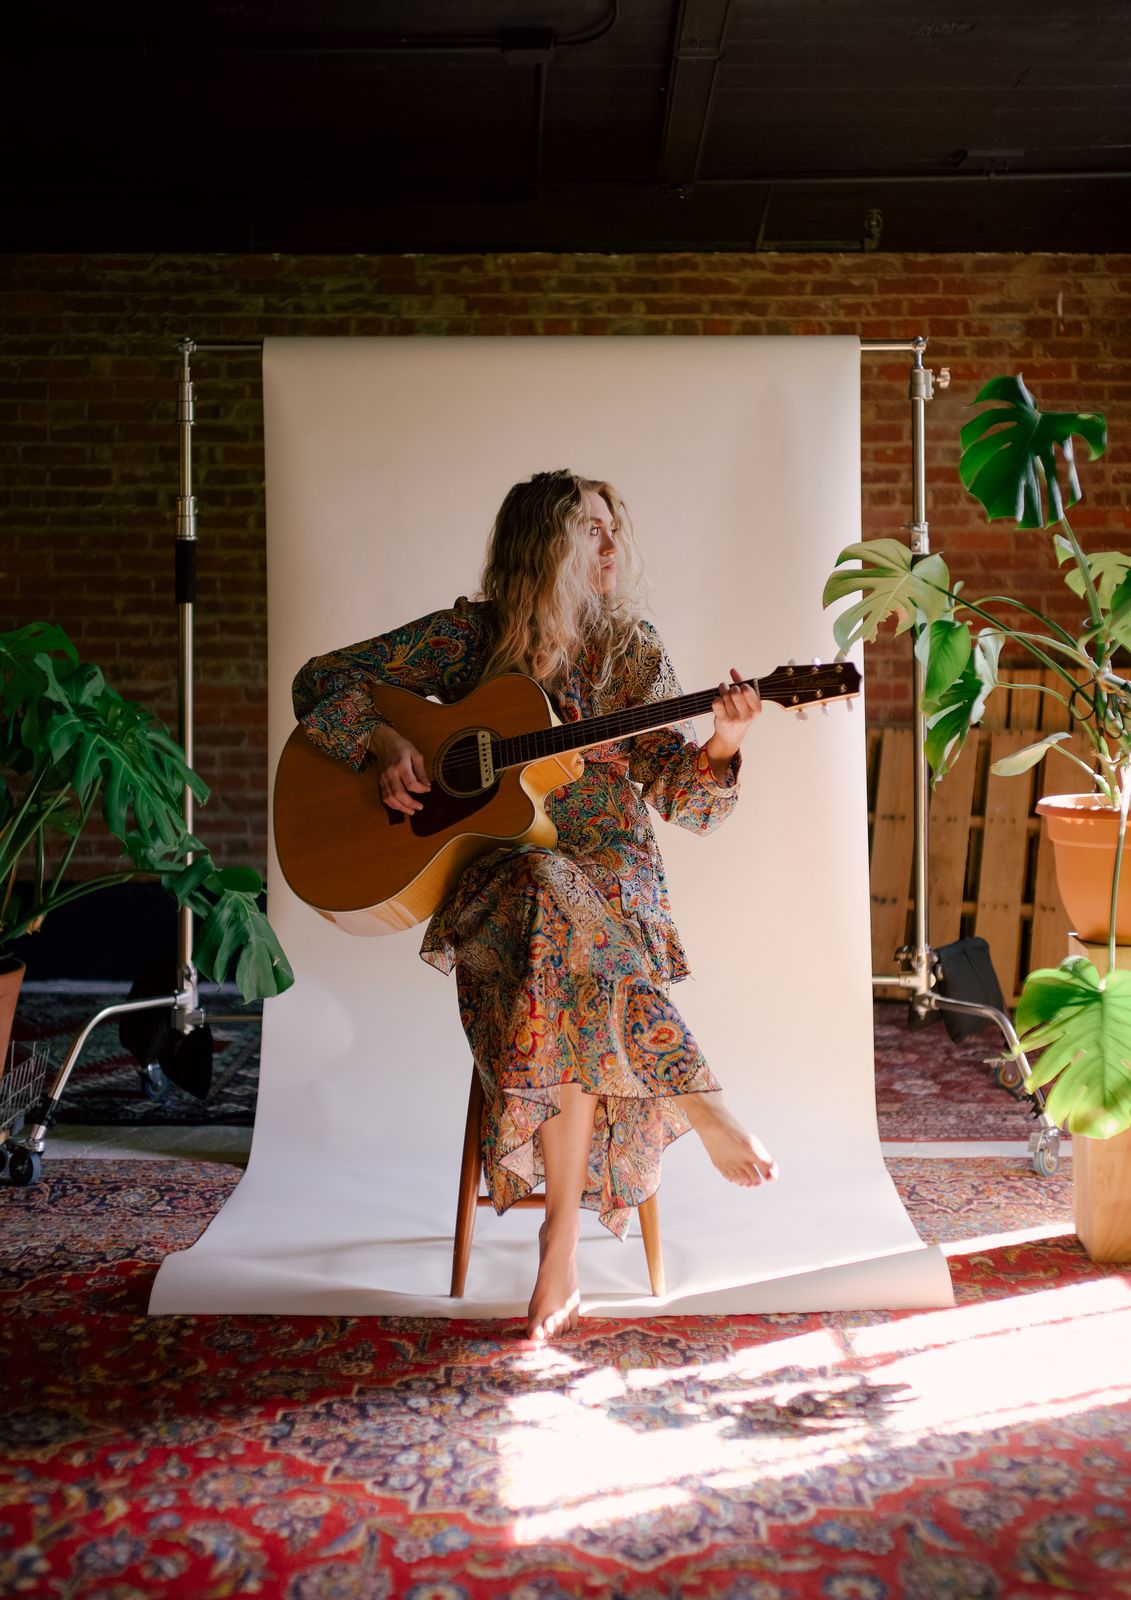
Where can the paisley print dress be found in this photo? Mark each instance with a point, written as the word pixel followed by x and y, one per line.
pixel 563 958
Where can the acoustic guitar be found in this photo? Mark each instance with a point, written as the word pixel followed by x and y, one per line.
pixel 492 758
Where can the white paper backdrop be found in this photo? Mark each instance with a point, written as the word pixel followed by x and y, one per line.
pixel 739 460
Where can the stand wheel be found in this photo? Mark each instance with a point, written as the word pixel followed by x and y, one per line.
pixel 1008 1075
pixel 24 1167
pixel 1046 1160
pixel 154 1083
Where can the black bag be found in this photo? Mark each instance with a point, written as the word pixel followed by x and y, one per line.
pixel 185 1058
pixel 963 971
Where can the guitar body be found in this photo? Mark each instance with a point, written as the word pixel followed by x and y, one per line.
pixel 492 758
pixel 375 871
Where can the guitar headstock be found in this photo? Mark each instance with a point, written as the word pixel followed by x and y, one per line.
pixel 801 684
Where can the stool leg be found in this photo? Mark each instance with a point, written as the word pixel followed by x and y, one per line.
pixel 649 1213
pixel 471 1170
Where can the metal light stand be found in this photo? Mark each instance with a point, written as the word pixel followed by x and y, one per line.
pixel 917 962
pixel 26 1157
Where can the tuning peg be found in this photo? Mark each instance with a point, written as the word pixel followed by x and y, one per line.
pixel 840 656
pixel 816 661
pixel 801 714
pixel 824 709
pixel 848 706
pixel 791 662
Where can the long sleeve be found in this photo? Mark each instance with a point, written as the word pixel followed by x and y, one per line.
pixel 674 773
pixel 441 654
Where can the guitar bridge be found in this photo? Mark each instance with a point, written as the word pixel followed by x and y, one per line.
pixel 486 765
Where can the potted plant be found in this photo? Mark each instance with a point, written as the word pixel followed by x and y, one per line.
pixel 1020 464
pixel 71 747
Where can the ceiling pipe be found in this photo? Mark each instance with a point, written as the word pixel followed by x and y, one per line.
pixel 507 41
pixel 697 51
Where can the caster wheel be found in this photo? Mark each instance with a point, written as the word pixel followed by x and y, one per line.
pixel 24 1167
pixel 1008 1075
pixel 1046 1160
pixel 154 1083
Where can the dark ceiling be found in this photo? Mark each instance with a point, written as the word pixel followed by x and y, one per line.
pixel 624 125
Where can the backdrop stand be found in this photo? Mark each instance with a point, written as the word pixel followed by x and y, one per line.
pixel 182 996
pixel 918 962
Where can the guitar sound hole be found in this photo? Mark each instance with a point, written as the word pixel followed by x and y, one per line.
pixel 457 772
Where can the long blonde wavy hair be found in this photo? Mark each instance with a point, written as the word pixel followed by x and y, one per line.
pixel 538 578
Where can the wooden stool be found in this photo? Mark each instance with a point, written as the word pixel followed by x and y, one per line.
pixel 471 1170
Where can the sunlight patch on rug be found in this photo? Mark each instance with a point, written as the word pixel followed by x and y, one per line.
pixel 619 1442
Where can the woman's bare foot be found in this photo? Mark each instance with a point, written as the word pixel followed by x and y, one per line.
pixel 556 1297
pixel 739 1156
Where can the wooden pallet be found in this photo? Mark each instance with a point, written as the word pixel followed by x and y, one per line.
pixel 989 869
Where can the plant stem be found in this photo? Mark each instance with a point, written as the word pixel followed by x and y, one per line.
pixel 9 853
pixel 76 893
pixel 84 813
pixel 1124 804
pixel 1090 592
pixel 1065 639
pixel 1029 641
pixel 33 829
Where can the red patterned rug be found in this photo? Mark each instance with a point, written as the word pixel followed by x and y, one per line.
pixel 980 1453
pixel 929 1088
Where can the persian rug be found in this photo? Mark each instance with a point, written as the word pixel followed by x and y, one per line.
pixel 929 1088
pixel 926 1087
pixel 977 1453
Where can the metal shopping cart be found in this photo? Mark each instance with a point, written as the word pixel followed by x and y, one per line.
pixel 21 1086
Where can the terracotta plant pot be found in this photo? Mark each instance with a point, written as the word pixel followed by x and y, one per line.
pixel 11 976
pixel 1083 834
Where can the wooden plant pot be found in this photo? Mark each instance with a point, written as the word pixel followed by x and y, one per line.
pixel 1083 835
pixel 11 976
pixel 1101 1196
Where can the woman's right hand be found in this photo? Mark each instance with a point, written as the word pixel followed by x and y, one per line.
pixel 400 769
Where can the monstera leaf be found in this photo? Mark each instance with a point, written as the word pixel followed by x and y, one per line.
pixel 891 583
pixel 68 744
pixel 1108 568
pixel 954 708
pixel 1009 454
pixel 1082 1025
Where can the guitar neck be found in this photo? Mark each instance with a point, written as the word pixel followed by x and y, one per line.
pixel 792 686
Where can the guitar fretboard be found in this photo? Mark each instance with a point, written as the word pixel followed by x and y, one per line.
pixel 791 686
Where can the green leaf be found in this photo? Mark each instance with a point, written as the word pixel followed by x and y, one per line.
pixel 892 583
pixel 945 649
pixel 1118 623
pixel 245 880
pixel 1009 461
pixel 185 881
pixel 1021 760
pixel 1108 569
pixel 236 928
pixel 1081 1023
pixel 26 665
pixel 961 706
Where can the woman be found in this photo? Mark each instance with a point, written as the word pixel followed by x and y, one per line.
pixel 563 957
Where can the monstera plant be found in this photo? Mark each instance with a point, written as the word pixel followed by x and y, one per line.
pixel 72 748
pixel 1019 462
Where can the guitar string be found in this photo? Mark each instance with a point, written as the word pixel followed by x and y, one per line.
pixel 803 686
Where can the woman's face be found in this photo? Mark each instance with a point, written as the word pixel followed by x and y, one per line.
pixel 602 542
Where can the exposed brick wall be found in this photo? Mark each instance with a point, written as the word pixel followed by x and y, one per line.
pixel 89 444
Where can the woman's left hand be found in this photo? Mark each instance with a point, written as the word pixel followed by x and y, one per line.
pixel 737 705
